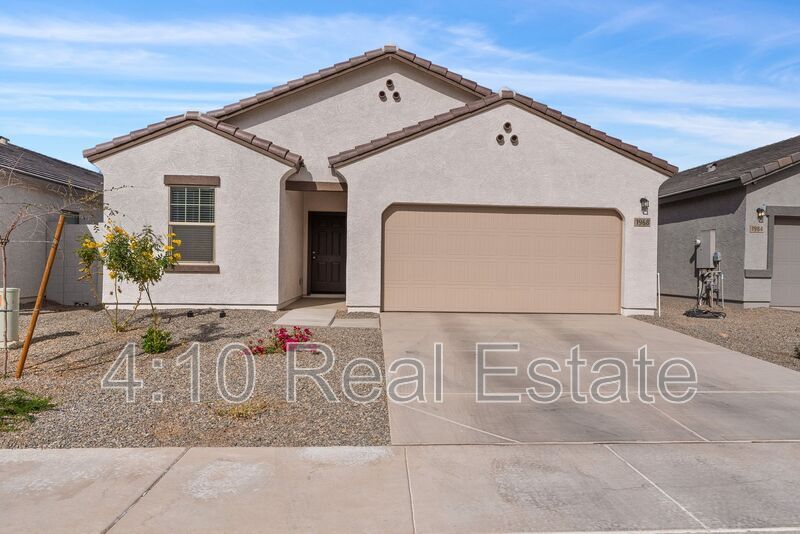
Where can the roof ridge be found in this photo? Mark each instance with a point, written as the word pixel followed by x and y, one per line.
pixel 278 152
pixel 504 95
pixel 370 55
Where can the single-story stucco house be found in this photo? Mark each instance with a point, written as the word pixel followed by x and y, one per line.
pixel 751 202
pixel 402 186
pixel 43 186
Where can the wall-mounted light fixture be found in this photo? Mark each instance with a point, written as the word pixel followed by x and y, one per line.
pixel 761 212
pixel 645 205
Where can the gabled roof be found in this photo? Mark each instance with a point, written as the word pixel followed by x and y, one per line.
pixel 529 104
pixel 354 62
pixel 25 161
pixel 195 117
pixel 739 169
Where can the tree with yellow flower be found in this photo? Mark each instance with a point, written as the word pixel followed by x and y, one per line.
pixel 140 258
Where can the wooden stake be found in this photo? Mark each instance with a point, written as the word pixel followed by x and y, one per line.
pixel 40 297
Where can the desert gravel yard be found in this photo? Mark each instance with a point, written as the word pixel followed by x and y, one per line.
pixel 74 347
pixel 767 333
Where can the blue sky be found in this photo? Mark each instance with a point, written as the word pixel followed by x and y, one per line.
pixel 689 81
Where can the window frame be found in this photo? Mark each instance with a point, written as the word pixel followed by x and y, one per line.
pixel 213 225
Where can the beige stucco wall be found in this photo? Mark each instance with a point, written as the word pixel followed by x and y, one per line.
pixel 783 189
pixel 248 214
pixel 341 113
pixel 463 164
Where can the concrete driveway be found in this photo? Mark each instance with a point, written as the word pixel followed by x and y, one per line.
pixel 738 398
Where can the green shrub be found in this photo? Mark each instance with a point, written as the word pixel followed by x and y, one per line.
pixel 156 341
pixel 18 405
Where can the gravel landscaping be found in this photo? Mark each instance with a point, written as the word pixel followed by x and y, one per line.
pixel 766 333
pixel 74 348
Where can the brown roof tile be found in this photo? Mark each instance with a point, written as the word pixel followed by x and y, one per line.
pixel 223 128
pixel 742 168
pixel 506 95
pixel 353 62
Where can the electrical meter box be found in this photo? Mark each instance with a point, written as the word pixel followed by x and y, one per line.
pixel 706 249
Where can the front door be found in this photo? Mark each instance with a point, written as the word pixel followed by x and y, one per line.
pixel 327 249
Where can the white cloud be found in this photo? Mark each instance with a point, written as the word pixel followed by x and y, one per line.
pixel 724 131
pixel 645 90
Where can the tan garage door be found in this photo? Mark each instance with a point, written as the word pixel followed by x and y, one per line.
pixel 448 258
pixel 786 262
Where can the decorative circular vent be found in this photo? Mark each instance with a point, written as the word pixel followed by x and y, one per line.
pixel 396 96
pixel 382 95
pixel 507 127
pixel 389 84
pixel 500 139
pixel 514 140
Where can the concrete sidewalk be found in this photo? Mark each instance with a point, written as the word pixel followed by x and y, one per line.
pixel 647 487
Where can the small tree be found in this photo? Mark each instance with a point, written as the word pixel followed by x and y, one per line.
pixel 139 258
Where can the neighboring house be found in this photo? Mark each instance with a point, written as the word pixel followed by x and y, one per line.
pixel 500 204
pixel 46 185
pixel 752 202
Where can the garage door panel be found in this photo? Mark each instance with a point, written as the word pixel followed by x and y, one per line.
pixel 501 260
pixel 786 262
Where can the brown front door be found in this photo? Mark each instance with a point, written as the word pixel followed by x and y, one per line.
pixel 327 250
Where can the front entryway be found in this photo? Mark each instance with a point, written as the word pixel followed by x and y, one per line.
pixel 327 251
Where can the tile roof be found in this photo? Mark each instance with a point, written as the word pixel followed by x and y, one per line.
pixel 46 168
pixel 372 55
pixel 223 128
pixel 506 95
pixel 742 168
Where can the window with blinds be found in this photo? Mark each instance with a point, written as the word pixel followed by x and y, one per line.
pixel 191 217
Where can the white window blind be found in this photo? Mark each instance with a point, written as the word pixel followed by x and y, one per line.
pixel 192 218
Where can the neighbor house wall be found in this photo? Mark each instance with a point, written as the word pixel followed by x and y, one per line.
pixel 342 112
pixel 463 164
pixel 248 214
pixel 681 222
pixel 65 285
pixel 781 189
pixel 30 242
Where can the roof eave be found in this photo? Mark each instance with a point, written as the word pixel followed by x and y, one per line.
pixel 343 67
pixel 196 118
pixel 554 116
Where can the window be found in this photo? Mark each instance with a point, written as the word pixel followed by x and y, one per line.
pixel 191 217
pixel 71 217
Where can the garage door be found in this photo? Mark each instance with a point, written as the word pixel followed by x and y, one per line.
pixel 447 258
pixel 786 262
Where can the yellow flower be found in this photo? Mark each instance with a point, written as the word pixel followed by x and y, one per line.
pixel 177 256
pixel 169 247
pixel 177 242
pixel 172 235
pixel 112 274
